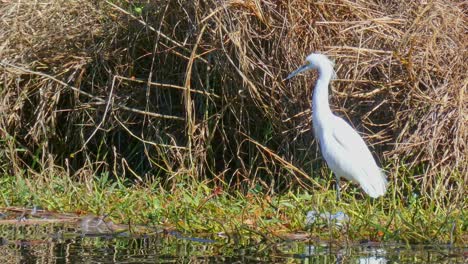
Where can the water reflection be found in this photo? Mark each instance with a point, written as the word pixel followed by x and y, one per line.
pixel 58 244
pixel 96 225
pixel 372 253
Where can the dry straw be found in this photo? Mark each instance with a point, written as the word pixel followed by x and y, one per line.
pixel 179 89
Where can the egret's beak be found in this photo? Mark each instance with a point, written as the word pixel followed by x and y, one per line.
pixel 294 73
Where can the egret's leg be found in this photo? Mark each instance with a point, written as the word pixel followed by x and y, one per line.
pixel 338 194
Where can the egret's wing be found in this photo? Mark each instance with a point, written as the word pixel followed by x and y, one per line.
pixel 358 160
pixel 350 140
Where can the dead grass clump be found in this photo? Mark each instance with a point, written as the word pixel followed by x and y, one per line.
pixel 435 106
pixel 195 89
pixel 45 45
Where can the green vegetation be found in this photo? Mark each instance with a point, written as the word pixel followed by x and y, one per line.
pixel 174 113
pixel 196 208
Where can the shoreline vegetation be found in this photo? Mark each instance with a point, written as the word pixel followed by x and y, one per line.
pixel 174 114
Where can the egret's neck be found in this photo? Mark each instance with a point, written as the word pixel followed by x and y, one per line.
pixel 320 106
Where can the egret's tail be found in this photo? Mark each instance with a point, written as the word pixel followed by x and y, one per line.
pixel 375 185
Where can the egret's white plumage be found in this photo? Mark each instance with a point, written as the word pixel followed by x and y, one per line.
pixel 343 149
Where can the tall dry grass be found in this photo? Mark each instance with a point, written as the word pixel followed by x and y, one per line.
pixel 178 89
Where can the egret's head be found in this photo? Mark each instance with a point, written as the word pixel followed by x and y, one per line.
pixel 314 61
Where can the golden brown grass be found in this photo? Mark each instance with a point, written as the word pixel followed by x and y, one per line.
pixel 194 89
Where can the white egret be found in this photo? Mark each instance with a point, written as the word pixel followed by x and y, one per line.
pixel 343 149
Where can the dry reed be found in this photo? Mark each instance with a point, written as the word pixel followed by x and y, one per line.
pixel 178 89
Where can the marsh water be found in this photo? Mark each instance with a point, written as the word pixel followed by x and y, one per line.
pixel 166 247
pixel 67 239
